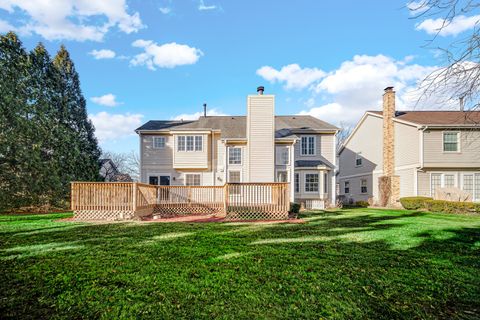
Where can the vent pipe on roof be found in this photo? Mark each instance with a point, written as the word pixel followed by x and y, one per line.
pixel 205 110
pixel 260 90
pixel 462 104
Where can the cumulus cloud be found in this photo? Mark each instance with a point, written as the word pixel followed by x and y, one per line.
pixel 203 7
pixel 292 75
pixel 165 10
pixel 6 27
pixel 196 115
pixel 102 54
pixel 169 55
pixel 357 85
pixel 115 126
pixel 73 19
pixel 108 100
pixel 444 27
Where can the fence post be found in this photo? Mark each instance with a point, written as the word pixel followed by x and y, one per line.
pixel 134 197
pixel 225 199
pixel 72 184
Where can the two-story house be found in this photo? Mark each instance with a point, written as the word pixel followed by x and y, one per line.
pixel 258 147
pixel 419 150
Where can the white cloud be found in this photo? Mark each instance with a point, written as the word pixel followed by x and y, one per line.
pixel 115 126
pixel 457 25
pixel 102 54
pixel 78 20
pixel 203 7
pixel 165 10
pixel 6 27
pixel 167 55
pixel 196 115
pixel 292 75
pixel 357 85
pixel 108 100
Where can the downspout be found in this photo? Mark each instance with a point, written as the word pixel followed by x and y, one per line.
pixel 333 187
pixel 292 171
pixel 213 166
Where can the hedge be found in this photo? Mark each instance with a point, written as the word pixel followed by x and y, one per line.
pixel 414 203
pixel 452 206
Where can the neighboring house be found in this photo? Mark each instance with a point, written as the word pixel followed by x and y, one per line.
pixel 259 147
pixel 110 173
pixel 419 151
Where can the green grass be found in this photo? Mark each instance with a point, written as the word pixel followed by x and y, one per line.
pixel 358 263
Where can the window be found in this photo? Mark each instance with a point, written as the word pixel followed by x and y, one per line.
pixel 159 142
pixel 346 187
pixel 153 180
pixel 234 176
pixel 308 145
pixel 449 181
pixel 282 176
pixel 468 183
pixel 476 194
pixel 311 182
pixel 471 184
pixel 181 143
pixel 234 155
pixel 358 160
pixel 192 179
pixel 159 180
pixel 198 143
pixel 189 143
pixel 283 155
pixel 297 182
pixel 363 185
pixel 436 182
pixel 450 141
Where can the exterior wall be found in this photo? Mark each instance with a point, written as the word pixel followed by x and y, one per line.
pixel 407 182
pixel 192 159
pixel 355 187
pixel 324 147
pixel 302 196
pixel 468 157
pixel 261 138
pixel 407 149
pixel 424 179
pixel 237 167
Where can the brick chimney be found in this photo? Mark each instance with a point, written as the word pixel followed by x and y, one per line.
pixel 389 183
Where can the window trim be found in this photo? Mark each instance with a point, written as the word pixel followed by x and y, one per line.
pixel 185 138
pixel 314 145
pixel 154 145
pixel 193 174
pixel 305 182
pixel 361 186
pixel 442 180
pixel 241 155
pixel 458 141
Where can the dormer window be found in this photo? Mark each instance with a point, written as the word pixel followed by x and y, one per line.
pixel 308 146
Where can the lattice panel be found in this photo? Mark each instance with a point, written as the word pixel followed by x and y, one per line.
pixel 102 215
pixel 256 215
pixel 172 210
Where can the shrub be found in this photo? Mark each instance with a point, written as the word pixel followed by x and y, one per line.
pixel 294 207
pixel 361 204
pixel 452 206
pixel 414 203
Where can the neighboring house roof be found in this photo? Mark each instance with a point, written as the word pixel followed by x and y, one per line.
pixel 309 163
pixel 232 127
pixel 446 118
pixel 103 162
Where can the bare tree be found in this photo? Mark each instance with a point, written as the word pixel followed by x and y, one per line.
pixel 459 78
pixel 126 163
pixel 342 135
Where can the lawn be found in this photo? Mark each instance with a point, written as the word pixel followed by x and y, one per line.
pixel 358 263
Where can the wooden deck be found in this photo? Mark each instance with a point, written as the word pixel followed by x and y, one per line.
pixel 128 200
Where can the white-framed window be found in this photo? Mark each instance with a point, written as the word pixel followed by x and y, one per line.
pixel 234 155
pixel 435 182
pixel 192 179
pixel 234 176
pixel 282 176
pixel 451 141
pixel 471 184
pixel 159 142
pixel 297 182
pixel 358 160
pixel 442 180
pixel 189 143
pixel 363 185
pixel 307 145
pixel 311 182
pixel 283 155
pixel 346 187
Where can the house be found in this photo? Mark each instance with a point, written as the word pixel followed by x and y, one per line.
pixel 258 147
pixel 110 173
pixel 392 154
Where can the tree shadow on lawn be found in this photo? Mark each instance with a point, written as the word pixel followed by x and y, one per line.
pixel 341 265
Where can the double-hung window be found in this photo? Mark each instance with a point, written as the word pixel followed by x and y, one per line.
pixel 190 143
pixel 198 143
pixel 308 146
pixel 451 141
pixel 363 185
pixel 234 155
pixel 158 142
pixel 181 143
pixel 311 182
pixel 358 160
pixel 297 182
pixel 192 179
pixel 283 155
pixel 346 187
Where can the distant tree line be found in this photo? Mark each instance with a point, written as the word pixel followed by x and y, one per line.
pixel 46 138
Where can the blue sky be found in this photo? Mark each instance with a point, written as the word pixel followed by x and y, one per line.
pixel 143 60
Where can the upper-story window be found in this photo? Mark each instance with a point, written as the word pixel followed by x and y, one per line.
pixel 190 143
pixel 308 145
pixel 451 141
pixel 283 155
pixel 358 160
pixel 234 155
pixel 159 142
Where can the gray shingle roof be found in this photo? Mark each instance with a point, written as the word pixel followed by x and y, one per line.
pixel 236 126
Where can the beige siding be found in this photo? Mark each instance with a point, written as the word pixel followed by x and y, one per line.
pixel 423 183
pixel 323 149
pixel 261 139
pixel 468 157
pixel 191 159
pixel 407 147
pixel 237 167
pixel 153 156
pixel 407 182
pixel 367 141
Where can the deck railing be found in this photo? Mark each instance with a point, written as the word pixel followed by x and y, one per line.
pixel 234 200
